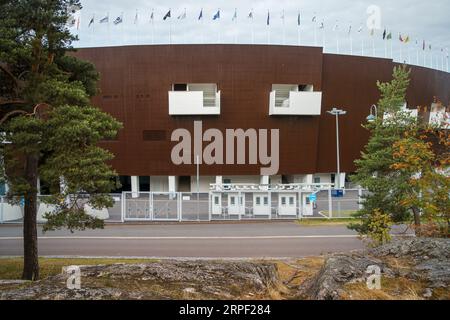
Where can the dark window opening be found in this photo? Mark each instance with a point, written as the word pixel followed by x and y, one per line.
pixel 144 183
pixel 180 87
pixel 125 184
pixel 184 184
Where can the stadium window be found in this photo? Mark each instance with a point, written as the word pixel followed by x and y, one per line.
pixel 180 87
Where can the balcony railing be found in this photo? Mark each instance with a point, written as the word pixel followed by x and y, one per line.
pixel 299 103
pixel 193 103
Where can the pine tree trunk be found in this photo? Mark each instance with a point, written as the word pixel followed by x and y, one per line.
pixel 30 254
pixel 417 223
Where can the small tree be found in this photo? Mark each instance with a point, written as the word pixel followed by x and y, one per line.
pixel 423 155
pixel 50 129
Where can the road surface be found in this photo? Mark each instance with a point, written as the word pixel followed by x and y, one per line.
pixel 224 240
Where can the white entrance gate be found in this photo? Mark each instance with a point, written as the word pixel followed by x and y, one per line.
pixel 261 204
pixel 236 204
pixel 287 204
pixel 307 205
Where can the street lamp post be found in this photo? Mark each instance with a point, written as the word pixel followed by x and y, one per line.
pixel 373 113
pixel 337 112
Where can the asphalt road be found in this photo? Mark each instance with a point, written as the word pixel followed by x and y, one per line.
pixel 227 240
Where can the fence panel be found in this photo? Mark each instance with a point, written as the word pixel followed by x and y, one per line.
pixel 193 208
pixel 165 206
pixel 137 206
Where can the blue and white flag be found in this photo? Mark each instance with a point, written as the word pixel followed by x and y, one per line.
pixel 91 22
pixel 105 19
pixel 200 16
pixel 118 20
pixel 167 15
pixel 182 16
pixel 217 15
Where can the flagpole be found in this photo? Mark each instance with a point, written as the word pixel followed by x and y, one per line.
pixel 385 49
pixel 362 46
pixel 153 28
pixel 392 49
pixel 253 32
pixel 170 28
pixel 373 46
pixel 315 34
pixel 284 31
pixel 351 44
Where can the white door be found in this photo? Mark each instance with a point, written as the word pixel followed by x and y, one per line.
pixel 261 205
pixel 216 204
pixel 236 204
pixel 287 205
pixel 307 208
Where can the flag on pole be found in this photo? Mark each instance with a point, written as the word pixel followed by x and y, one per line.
pixel 389 36
pixel 235 15
pixel 105 19
pixel 282 16
pixel 118 20
pixel 336 26
pixel 167 15
pixel 322 26
pixel 91 21
pixel 350 29
pixel 200 16
pixel 314 18
pixel 423 45
pixel 360 28
pixel 406 39
pixel 268 17
pixel 384 34
pixel 136 17
pixel 250 15
pixel 152 17
pixel 182 16
pixel 400 37
pixel 217 15
pixel 298 19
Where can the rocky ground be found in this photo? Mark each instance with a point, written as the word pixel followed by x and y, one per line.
pixel 411 268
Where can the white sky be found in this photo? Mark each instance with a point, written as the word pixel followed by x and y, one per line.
pixel 418 19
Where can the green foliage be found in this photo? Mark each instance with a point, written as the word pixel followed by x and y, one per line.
pixel 402 169
pixel 378 228
pixel 49 92
pixel 374 172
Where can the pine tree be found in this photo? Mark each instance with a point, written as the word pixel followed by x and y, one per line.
pixel 374 172
pixel 50 129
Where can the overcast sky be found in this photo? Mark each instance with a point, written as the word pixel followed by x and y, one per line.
pixel 420 20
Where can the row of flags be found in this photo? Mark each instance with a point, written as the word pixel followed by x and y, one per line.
pixel 405 39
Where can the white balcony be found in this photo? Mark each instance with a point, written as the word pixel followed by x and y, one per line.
pixel 287 100
pixel 198 99
pixel 412 113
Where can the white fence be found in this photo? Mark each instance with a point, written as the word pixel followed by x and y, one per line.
pixel 220 204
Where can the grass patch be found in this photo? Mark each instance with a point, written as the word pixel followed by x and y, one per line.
pixel 398 288
pixel 11 268
pixel 324 221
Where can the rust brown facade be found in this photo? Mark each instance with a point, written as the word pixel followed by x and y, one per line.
pixel 135 81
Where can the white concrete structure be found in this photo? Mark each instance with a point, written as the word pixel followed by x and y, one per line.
pixel 196 99
pixel 43 209
pixel 135 186
pixel 290 100
pixel 10 212
pixel 100 214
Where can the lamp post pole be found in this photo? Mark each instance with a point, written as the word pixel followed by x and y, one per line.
pixel 337 112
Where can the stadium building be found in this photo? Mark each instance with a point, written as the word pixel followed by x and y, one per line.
pixel 155 90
